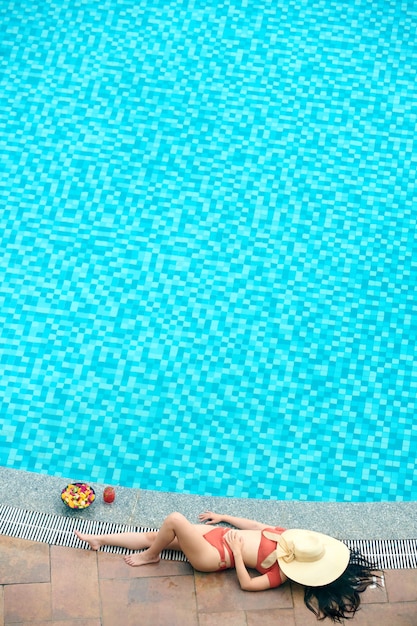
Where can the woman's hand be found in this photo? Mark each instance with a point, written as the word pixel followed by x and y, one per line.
pixel 235 540
pixel 208 517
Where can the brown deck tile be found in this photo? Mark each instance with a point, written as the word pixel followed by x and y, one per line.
pixel 401 585
pixel 221 592
pixel 229 618
pixel 75 592
pixel 302 615
pixel 272 617
pixel 1 605
pixel 373 595
pixel 113 566
pixel 156 601
pixel 28 602
pixel 23 561
pixel 399 614
pixel 76 622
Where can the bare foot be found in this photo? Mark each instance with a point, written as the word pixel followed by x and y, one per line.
pixel 92 540
pixel 141 558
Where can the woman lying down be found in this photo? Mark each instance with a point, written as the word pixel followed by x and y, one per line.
pixel 333 576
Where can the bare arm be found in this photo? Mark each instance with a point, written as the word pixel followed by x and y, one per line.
pixel 238 522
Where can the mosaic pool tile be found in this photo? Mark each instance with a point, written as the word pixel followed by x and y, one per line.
pixel 208 235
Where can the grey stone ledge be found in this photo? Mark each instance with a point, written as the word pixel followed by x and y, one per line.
pixel 139 507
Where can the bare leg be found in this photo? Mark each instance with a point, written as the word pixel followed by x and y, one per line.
pixel 131 541
pixel 199 552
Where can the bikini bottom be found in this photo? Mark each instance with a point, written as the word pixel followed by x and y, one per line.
pixel 216 538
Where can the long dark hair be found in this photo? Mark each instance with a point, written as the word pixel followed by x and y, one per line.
pixel 340 599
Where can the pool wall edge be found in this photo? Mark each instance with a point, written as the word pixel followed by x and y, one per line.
pixel 141 507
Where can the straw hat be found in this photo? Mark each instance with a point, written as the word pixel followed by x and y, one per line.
pixel 308 557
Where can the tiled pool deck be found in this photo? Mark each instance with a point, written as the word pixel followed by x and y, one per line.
pixel 48 585
pixel 53 586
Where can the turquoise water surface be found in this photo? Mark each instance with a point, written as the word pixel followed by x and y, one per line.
pixel 208 241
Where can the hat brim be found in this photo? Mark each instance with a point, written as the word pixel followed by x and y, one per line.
pixel 317 573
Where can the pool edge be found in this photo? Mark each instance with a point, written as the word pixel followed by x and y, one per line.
pixel 378 520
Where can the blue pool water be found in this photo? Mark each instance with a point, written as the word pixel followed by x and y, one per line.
pixel 208 241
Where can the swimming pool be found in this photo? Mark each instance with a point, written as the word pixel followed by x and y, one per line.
pixel 209 263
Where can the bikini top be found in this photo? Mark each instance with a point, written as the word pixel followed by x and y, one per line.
pixel 267 560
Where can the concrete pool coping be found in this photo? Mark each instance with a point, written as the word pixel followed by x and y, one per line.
pixel 141 507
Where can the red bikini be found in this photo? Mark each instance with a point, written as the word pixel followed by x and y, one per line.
pixel 216 538
pixel 265 548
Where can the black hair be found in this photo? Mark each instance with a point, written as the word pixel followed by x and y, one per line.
pixel 340 599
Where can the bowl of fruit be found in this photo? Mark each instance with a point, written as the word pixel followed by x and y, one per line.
pixel 78 495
